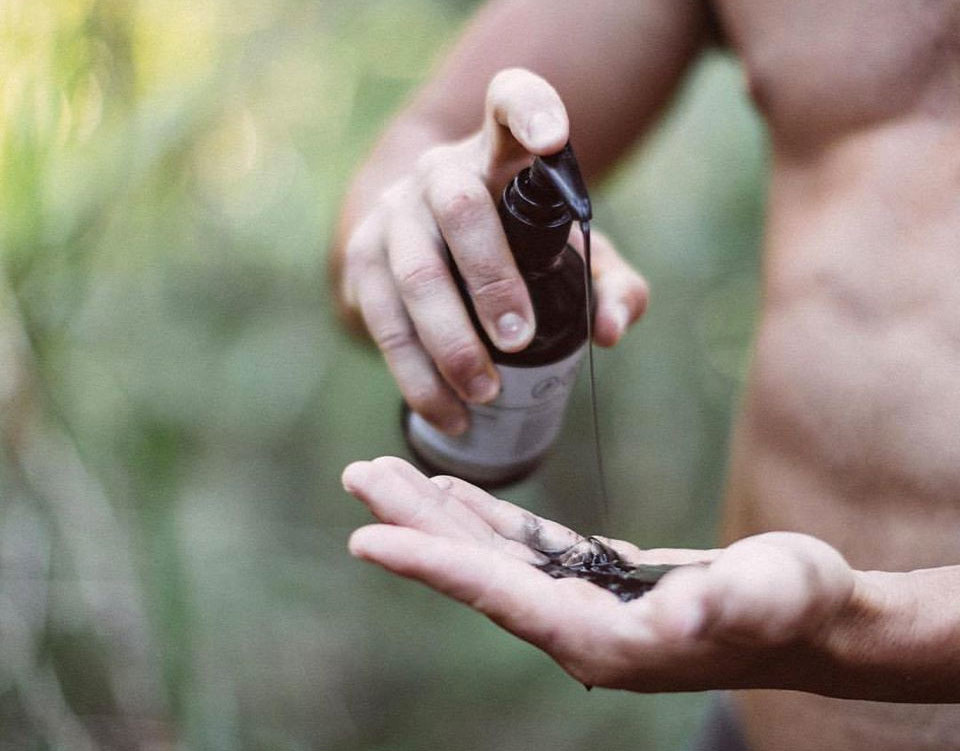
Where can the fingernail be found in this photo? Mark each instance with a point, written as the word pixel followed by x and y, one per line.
pixel 544 129
pixel 482 388
pixel 512 329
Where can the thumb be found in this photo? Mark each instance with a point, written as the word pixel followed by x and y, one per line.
pixel 523 115
pixel 763 590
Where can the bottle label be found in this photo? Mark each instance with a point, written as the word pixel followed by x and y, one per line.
pixel 517 427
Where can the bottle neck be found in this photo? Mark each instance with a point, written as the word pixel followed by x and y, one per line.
pixel 536 222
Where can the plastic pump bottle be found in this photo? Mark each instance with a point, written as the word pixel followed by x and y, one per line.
pixel 508 437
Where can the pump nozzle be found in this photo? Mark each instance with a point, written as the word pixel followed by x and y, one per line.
pixel 561 172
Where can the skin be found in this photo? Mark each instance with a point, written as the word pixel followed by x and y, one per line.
pixel 848 431
pixel 779 609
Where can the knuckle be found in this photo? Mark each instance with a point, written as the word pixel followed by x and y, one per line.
pixel 460 358
pixel 496 290
pixel 461 206
pixel 445 482
pixel 418 280
pixel 394 339
pixel 363 246
pixel 433 159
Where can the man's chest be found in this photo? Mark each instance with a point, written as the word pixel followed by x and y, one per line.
pixel 822 67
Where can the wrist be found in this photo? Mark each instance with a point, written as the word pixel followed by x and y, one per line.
pixel 857 639
pixel 891 642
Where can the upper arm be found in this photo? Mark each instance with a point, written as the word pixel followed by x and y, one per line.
pixel 615 63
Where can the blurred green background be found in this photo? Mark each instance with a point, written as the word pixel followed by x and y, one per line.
pixel 177 401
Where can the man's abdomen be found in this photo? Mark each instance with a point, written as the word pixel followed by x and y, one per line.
pixel 850 429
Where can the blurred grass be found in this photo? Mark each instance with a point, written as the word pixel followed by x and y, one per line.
pixel 176 400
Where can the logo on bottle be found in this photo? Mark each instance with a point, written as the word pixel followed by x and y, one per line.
pixel 554 385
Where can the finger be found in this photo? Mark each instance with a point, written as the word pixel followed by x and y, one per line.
pixel 513 594
pixel 655 556
pixel 523 115
pixel 530 110
pixel 413 370
pixel 510 521
pixel 621 293
pixel 467 218
pixel 362 251
pixel 516 523
pixel 396 493
pixel 438 314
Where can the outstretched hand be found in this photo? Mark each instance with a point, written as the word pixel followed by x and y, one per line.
pixel 754 616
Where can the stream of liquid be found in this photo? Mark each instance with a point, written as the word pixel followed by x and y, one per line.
pixel 598 449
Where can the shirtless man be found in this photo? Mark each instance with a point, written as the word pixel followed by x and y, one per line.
pixel 850 428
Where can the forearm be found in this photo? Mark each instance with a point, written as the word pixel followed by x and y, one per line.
pixel 898 639
pixel 614 65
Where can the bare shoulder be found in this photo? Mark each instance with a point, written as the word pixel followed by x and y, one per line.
pixel 827 67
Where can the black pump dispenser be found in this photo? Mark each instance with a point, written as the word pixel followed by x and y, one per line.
pixel 508 438
pixel 540 203
pixel 562 173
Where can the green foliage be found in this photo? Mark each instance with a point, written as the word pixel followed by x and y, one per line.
pixel 177 400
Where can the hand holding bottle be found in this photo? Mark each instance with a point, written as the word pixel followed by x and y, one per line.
pixel 394 269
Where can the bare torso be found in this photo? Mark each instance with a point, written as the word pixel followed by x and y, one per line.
pixel 850 428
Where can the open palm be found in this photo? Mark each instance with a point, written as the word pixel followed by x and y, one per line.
pixel 746 619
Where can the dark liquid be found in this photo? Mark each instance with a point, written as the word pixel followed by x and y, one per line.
pixel 599 564
pixel 598 451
